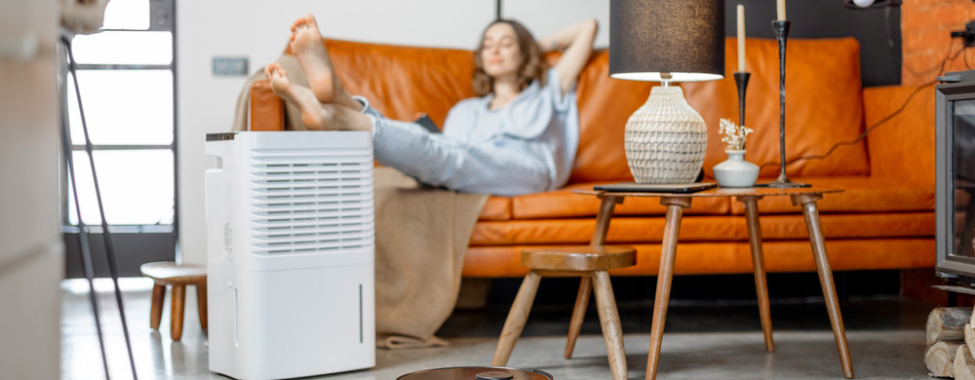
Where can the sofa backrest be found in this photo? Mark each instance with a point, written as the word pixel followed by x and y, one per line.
pixel 401 81
pixel 824 102
pixel 824 105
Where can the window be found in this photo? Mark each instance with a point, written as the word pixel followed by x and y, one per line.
pixel 126 75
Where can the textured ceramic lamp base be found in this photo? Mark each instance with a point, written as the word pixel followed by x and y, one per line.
pixel 665 139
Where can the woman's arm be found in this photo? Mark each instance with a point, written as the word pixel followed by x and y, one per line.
pixel 576 39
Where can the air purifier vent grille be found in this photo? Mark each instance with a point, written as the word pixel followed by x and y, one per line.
pixel 311 203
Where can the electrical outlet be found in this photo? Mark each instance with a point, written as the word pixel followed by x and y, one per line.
pixel 968 35
pixel 230 66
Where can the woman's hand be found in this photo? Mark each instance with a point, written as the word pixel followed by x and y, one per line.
pixel 577 40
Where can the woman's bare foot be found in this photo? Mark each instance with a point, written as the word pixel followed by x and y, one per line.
pixel 312 113
pixel 306 44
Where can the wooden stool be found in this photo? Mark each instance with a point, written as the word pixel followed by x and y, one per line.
pixel 168 273
pixel 591 263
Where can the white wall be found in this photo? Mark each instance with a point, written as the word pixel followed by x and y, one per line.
pixel 542 17
pixel 259 30
pixel 31 253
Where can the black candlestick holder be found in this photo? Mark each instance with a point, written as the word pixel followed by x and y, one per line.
pixel 782 34
pixel 741 81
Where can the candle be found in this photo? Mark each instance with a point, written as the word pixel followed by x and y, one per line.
pixel 741 38
pixel 780 8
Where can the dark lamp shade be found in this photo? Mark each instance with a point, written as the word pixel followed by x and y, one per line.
pixel 684 38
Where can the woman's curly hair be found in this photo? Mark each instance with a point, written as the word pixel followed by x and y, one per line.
pixel 531 67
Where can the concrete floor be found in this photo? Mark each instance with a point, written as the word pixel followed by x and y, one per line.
pixel 704 340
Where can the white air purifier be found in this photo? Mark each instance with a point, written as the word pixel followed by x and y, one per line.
pixel 290 253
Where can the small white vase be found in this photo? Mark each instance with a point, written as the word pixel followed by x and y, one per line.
pixel 735 171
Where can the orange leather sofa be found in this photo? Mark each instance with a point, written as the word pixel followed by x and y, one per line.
pixel 884 220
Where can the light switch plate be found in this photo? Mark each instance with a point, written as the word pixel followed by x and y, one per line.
pixel 230 66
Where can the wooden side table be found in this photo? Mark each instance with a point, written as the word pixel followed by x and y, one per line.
pixel 591 263
pixel 676 203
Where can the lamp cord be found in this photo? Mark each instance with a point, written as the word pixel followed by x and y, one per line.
pixel 940 67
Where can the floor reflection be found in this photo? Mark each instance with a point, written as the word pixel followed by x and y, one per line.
pixel 890 349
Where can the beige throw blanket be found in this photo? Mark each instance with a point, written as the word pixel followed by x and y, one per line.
pixel 421 238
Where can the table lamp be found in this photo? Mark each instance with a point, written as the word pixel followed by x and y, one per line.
pixel 666 41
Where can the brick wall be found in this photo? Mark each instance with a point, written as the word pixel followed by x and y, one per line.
pixel 926 27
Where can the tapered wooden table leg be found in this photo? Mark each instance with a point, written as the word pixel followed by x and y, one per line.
pixel 603 217
pixel 155 311
pixel 578 314
pixel 811 214
pixel 606 208
pixel 609 318
pixel 758 264
pixel 178 298
pixel 516 319
pixel 668 254
pixel 201 304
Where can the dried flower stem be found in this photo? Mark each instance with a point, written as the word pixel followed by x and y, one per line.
pixel 734 135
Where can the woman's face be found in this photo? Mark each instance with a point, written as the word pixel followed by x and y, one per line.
pixel 500 53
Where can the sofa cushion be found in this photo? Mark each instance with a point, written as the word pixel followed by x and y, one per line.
pixel 604 106
pixel 401 81
pixel 266 109
pixel 702 228
pixel 622 230
pixel 824 105
pixel 863 194
pixel 909 129
pixel 846 226
pixel 563 203
pixel 496 208
pixel 730 257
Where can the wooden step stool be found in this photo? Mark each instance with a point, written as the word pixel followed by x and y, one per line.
pixel 591 263
pixel 168 273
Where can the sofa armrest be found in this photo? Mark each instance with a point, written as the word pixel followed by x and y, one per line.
pixel 266 109
pixel 902 147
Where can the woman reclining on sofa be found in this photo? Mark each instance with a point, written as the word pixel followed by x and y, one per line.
pixel 519 137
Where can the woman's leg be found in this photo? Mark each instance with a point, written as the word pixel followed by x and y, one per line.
pixel 437 160
pixel 431 158
pixel 306 44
